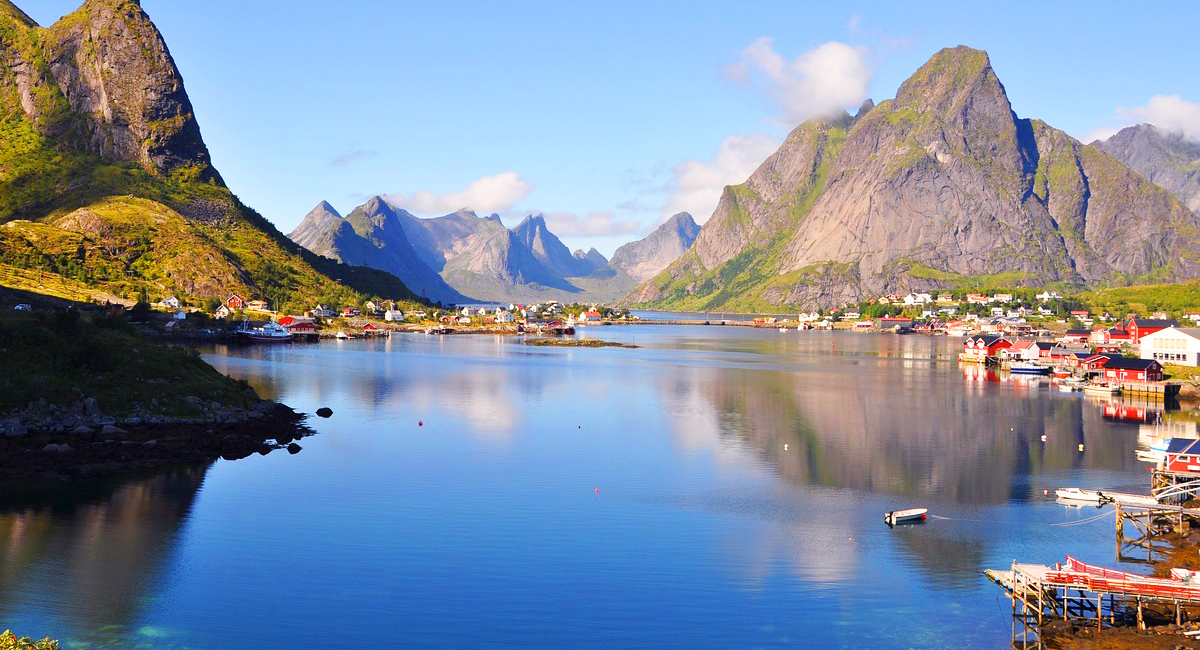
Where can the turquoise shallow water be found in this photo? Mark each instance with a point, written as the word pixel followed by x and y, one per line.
pixel 718 487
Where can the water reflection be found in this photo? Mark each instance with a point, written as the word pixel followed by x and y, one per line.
pixel 91 551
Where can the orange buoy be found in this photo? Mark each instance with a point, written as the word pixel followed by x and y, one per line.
pixel 597 490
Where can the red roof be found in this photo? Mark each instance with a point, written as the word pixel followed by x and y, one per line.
pixel 368 326
pixel 286 320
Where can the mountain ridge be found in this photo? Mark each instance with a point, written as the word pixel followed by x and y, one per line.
pixel 1166 159
pixel 939 185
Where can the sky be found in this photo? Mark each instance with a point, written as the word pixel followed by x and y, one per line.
pixel 609 117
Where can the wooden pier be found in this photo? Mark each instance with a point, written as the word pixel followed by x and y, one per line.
pixel 1088 595
pixel 1151 524
pixel 1155 391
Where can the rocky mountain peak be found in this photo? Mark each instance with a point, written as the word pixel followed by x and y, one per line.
pixel 1167 159
pixel 950 82
pixel 324 208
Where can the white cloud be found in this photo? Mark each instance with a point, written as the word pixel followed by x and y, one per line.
pixel 698 184
pixel 819 82
pixel 487 194
pixel 1169 113
pixel 595 224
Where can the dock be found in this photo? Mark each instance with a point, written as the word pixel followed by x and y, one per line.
pixel 1088 595
pixel 1162 391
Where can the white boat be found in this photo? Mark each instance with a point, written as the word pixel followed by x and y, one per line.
pixel 903 516
pixel 1101 389
pixel 1075 494
pixel 1027 368
pixel 268 333
pixel 343 336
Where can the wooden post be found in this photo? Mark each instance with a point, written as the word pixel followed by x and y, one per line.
pixel 1140 621
pixel 1120 529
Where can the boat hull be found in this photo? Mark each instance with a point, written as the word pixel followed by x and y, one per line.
pixel 910 516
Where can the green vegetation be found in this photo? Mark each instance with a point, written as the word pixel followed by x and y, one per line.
pixel 80 225
pixel 65 356
pixel 10 641
pixel 1174 298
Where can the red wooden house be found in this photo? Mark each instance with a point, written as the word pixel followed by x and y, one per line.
pixel 235 301
pixel 985 346
pixel 1139 327
pixel 1183 455
pixel 1133 370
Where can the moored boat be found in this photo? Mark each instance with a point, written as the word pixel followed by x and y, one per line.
pixel 1102 389
pixel 1027 368
pixel 268 333
pixel 905 516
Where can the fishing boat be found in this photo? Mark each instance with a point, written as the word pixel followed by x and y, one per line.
pixel 1102 389
pixel 1061 372
pixel 342 336
pixel 1067 388
pixel 1027 368
pixel 268 333
pixel 905 516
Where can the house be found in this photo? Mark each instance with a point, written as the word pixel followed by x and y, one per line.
pixel 298 324
pixel 179 315
pixel 464 320
pixel 1048 296
pixel 1139 327
pixel 393 315
pixel 918 299
pixel 258 305
pixel 1096 362
pixel 222 312
pixel 1024 350
pixel 1081 315
pixel 418 314
pixel 1122 369
pixel 321 311
pixel 505 317
pixel 351 312
pixel 980 347
pixel 1002 297
pixel 1183 455
pixel 1192 316
pixel 946 298
pixel 372 307
pixel 892 322
pixel 369 327
pixel 976 299
pixel 171 326
pixel 592 315
pixel 1076 336
pixel 1179 345
pixel 235 302
pixel 170 302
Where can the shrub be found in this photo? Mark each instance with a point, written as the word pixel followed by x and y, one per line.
pixel 10 641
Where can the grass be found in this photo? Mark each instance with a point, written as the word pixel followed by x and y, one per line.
pixel 65 356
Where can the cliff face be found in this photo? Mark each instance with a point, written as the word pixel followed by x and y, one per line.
pixel 104 175
pixel 940 185
pixel 645 258
pixel 1167 159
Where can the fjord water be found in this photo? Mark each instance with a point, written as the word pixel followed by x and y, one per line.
pixel 718 487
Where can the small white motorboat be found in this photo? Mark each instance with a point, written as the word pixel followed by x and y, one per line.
pixel 1077 495
pixel 905 516
pixel 1102 389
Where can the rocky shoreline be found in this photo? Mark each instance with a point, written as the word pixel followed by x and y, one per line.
pixel 79 439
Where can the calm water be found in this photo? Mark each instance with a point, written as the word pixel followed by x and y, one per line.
pixel 720 487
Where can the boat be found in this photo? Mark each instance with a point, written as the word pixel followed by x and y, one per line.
pixel 268 333
pixel 905 516
pixel 1027 368
pixel 342 336
pixel 1101 389
pixel 1075 381
pixel 1067 388
pixel 1075 495
pixel 783 329
pixel 1061 372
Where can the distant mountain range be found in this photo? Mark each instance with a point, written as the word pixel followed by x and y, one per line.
pixel 1168 159
pixel 943 186
pixel 107 190
pixel 462 257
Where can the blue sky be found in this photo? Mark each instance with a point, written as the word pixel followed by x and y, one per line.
pixel 609 116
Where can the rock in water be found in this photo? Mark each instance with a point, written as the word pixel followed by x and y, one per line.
pixel 324 412
pixel 293 448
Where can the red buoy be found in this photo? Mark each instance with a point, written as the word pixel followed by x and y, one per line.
pixel 597 490
pixel 420 423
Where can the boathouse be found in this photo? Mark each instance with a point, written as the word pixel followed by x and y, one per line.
pixel 1122 369
pixel 985 346
pixel 1180 345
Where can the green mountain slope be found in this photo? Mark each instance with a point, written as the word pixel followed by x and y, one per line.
pixel 106 182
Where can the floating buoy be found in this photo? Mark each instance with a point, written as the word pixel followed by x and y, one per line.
pixel 1045 493
pixel 1081 446
pixel 597 490
pixel 785 446
pixel 1043 437
pixel 420 423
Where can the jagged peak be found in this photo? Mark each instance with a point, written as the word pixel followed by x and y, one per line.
pixel 324 208
pixel 864 108
pixel 493 217
pixel 11 10
pixel 947 78
pixel 681 218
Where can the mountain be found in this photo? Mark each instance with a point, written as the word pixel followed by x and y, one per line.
pixel 644 259
pixel 942 186
pixel 1168 159
pixel 549 250
pixel 107 189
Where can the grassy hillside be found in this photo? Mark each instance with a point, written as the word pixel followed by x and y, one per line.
pixel 78 223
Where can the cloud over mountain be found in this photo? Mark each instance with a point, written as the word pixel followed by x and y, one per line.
pixel 487 194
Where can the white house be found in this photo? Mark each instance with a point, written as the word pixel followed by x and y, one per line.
pixel 321 311
pixel 1178 345
pixel 179 315
pixel 1002 297
pixel 918 299
pixel 393 315
pixel 222 312
pixel 170 302
pixel 505 317
pixel 1048 295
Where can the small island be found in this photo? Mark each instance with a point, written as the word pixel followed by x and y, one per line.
pixel 576 343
